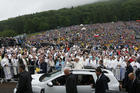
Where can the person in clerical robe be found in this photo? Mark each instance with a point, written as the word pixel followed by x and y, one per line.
pixel 6 67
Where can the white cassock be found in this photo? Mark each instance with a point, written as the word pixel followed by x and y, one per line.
pixel 115 63
pixel 135 65
pixel 109 64
pixel 90 63
pixel 117 73
pixel 94 64
pixel 25 63
pixel 122 70
pixel 114 66
pixel 80 58
pixel 105 62
pixel 82 62
pixel 6 67
pixel 87 63
pixel 15 65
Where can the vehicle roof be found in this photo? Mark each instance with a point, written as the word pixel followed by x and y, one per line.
pixel 91 70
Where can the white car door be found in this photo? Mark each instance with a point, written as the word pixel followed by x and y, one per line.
pixel 55 89
pixel 85 89
pixel 84 83
pixel 58 85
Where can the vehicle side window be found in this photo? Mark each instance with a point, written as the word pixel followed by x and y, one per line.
pixel 85 80
pixel 60 81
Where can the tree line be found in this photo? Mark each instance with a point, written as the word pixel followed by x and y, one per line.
pixel 100 12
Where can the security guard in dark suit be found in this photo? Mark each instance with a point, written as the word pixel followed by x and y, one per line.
pixel 71 86
pixel 102 82
pixel 24 82
pixel 129 69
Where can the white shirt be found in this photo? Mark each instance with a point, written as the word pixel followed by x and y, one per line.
pixel 5 62
pixel 135 64
pixel 14 61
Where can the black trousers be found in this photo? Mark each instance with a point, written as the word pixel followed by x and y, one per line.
pixel 2 73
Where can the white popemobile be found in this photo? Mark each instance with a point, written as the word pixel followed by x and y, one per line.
pixel 55 82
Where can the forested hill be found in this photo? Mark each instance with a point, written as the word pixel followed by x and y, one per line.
pixel 100 12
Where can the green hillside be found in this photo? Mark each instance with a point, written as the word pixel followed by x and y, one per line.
pixel 100 12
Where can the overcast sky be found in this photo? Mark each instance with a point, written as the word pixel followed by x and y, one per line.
pixel 13 8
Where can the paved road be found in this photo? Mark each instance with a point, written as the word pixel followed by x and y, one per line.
pixel 7 87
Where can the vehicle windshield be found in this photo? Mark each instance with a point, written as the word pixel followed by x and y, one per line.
pixel 48 76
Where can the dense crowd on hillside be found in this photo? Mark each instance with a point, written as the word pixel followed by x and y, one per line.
pixel 114 34
pixel 108 45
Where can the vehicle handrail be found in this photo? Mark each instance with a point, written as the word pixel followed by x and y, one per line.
pixel 88 70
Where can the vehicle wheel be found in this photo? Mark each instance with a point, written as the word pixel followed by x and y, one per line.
pixel 42 91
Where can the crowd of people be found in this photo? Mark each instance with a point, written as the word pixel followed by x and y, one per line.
pixel 108 45
pixel 106 34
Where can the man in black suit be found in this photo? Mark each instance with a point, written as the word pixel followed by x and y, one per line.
pixel 101 83
pixel 136 82
pixel 71 86
pixel 129 69
pixel 24 83
pixel 131 83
